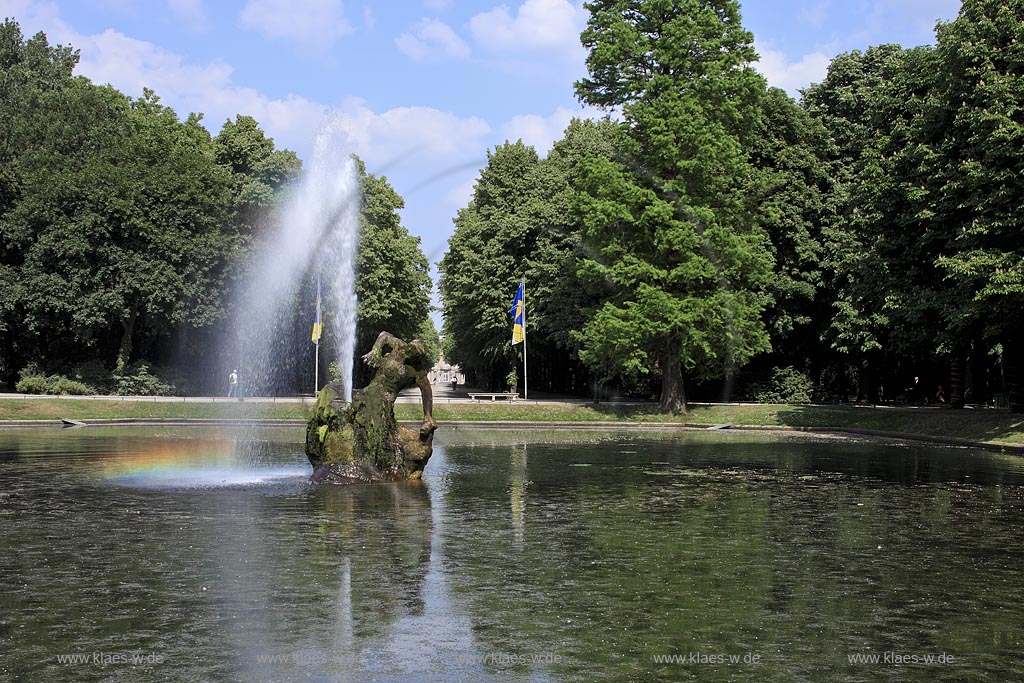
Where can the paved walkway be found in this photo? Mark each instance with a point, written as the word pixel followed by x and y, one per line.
pixel 443 393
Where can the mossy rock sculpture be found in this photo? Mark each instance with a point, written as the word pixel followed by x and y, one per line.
pixel 362 441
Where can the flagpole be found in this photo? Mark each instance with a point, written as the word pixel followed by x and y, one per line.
pixel 526 394
pixel 317 331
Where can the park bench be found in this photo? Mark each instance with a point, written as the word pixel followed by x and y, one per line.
pixel 495 396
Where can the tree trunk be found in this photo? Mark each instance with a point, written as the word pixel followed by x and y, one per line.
pixel 977 390
pixel 956 381
pixel 867 385
pixel 1012 377
pixel 673 394
pixel 128 326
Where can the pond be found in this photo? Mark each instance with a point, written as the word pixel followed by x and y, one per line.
pixel 192 554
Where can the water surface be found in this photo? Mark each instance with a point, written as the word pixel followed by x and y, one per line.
pixel 201 555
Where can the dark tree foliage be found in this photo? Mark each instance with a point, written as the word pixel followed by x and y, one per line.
pixel 119 229
pixel 488 254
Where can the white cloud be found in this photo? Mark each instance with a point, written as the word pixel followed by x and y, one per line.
pixel 815 14
pixel 130 65
pixel 459 195
pixel 312 24
pixel 37 16
pixel 790 75
pixel 549 25
pixel 410 134
pixel 432 39
pixel 542 131
pixel 190 13
pixel 369 18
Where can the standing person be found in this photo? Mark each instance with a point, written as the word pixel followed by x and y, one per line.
pixel 233 383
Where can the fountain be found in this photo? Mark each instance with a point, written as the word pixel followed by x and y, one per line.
pixel 318 233
pixel 360 440
pixel 349 438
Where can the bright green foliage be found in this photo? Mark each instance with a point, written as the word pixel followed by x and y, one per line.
pixel 981 187
pixel 786 385
pixel 259 173
pixel 673 230
pixel 392 274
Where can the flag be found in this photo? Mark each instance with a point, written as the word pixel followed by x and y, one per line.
pixel 518 313
pixel 318 325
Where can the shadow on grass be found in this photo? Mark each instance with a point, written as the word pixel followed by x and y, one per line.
pixel 982 424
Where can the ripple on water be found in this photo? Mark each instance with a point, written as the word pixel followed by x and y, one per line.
pixel 604 551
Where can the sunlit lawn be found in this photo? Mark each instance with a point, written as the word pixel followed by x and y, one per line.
pixel 976 424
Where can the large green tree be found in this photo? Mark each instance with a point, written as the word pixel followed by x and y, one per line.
pixel 892 307
pixel 673 232
pixel 260 173
pixel 392 274
pixel 975 163
pixel 120 227
pixel 487 255
pixel 29 71
pixel 520 223
pixel 791 195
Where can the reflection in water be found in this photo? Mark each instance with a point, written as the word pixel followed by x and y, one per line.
pixel 517 492
pixel 594 558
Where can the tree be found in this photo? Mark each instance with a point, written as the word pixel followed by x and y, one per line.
pixel 791 196
pixel 28 71
pixel 891 304
pixel 674 233
pixel 259 172
pixel 487 255
pixel 120 226
pixel 392 274
pixel 976 175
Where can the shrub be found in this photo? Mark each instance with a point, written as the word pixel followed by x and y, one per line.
pixel 64 386
pixel 93 374
pixel 787 385
pixel 32 384
pixel 52 384
pixel 137 380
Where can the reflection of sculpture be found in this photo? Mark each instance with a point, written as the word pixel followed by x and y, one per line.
pixel 362 441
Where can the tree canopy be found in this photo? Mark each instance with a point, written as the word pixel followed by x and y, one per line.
pixel 125 230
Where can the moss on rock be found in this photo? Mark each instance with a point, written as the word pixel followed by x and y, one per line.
pixel 364 436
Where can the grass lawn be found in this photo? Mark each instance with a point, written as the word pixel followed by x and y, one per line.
pixel 95 409
pixel 978 425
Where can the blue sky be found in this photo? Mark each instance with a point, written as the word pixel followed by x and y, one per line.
pixel 422 87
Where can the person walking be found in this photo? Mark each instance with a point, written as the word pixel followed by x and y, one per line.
pixel 233 383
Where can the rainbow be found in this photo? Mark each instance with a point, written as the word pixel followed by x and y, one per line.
pixel 159 458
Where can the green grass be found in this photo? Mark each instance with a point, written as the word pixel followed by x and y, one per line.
pixel 978 425
pixel 95 409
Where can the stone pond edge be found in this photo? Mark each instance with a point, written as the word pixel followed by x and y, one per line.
pixel 1014 448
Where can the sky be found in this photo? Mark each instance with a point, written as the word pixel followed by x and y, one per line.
pixel 422 88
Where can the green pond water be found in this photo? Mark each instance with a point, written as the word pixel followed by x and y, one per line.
pixel 201 555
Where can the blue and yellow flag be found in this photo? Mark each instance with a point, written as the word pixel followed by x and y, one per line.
pixel 518 313
pixel 318 325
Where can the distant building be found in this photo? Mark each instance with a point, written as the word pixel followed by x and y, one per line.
pixel 443 373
